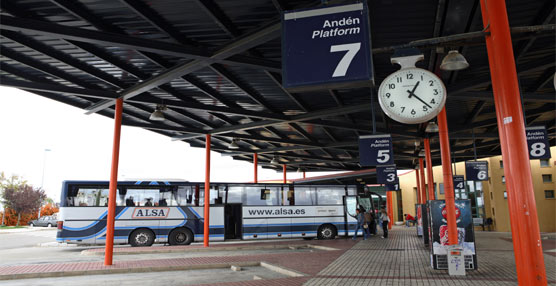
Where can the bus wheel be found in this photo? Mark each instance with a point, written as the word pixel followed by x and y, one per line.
pixel 141 237
pixel 180 236
pixel 326 231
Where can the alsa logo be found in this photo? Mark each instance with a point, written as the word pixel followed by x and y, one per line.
pixel 150 213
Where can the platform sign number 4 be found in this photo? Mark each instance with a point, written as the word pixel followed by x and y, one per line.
pixel 537 142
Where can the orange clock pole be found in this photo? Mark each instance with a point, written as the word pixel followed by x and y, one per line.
pixel 419 200
pixel 521 198
pixel 430 178
pixel 284 171
pixel 206 228
pixel 390 208
pixel 448 179
pixel 422 173
pixel 110 218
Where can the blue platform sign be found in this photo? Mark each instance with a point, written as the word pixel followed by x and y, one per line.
pixel 376 150
pixel 392 187
pixel 386 174
pixel 476 170
pixel 459 182
pixel 326 47
pixel 537 142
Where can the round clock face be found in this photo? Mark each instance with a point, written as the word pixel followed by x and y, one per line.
pixel 412 95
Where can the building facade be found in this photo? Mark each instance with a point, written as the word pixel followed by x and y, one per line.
pixel 488 198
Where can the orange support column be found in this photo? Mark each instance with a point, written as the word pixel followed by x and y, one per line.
pixel 284 170
pixel 430 178
pixel 207 194
pixel 256 165
pixel 303 174
pixel 109 247
pixel 521 198
pixel 448 179
pixel 419 200
pixel 390 208
pixel 423 189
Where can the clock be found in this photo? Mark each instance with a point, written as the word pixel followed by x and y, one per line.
pixel 412 95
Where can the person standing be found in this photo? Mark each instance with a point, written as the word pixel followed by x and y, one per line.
pixel 369 219
pixel 361 224
pixel 385 220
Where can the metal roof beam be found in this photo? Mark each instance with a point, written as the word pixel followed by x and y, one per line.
pixel 57 88
pixel 488 96
pixel 297 118
pixel 136 43
pixel 219 17
pixel 179 70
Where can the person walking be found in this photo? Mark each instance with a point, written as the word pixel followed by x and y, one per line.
pixel 369 220
pixel 385 220
pixel 361 224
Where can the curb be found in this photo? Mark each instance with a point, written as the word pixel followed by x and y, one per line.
pixel 126 270
pixel 88 252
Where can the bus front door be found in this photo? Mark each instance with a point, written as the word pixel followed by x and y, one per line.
pixel 232 221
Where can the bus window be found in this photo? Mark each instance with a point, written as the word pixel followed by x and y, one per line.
pixel 183 196
pixel 234 194
pixel 305 196
pixel 330 195
pixel 352 191
pixel 261 196
pixel 166 198
pixel 142 197
pixel 90 197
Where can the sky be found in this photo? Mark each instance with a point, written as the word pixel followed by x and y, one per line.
pixel 81 148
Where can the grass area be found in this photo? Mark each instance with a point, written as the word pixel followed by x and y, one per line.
pixel 11 227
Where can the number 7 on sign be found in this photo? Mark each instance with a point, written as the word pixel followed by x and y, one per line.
pixel 344 63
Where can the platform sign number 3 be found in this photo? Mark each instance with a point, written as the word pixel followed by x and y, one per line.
pixel 537 142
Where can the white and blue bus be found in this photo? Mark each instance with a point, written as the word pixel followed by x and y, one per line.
pixel 150 212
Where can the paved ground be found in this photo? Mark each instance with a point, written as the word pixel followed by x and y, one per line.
pixel 25 237
pixel 399 260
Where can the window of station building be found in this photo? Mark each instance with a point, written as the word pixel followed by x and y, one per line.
pixel 545 163
pixel 548 194
pixel 305 196
pixel 88 197
pixel 547 178
pixel 501 164
pixel 505 194
pixel 441 188
pixel 330 195
pixel 503 179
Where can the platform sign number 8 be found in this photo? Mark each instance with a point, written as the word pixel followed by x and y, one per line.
pixel 537 149
pixel 537 142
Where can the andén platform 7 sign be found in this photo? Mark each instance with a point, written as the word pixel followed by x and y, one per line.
pixel 326 47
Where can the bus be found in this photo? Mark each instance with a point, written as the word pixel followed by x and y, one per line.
pixel 150 212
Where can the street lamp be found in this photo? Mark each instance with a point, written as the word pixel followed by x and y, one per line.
pixel 42 179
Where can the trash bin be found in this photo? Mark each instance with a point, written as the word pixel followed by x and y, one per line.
pixel 456 260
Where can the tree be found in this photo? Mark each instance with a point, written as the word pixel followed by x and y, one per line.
pixel 23 199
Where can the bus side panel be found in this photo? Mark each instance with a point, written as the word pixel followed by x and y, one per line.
pixel 216 223
pixel 279 227
pixel 255 228
pixel 177 217
pixel 304 227
pixel 85 226
pixel 352 225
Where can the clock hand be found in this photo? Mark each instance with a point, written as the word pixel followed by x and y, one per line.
pixel 410 94
pixel 412 91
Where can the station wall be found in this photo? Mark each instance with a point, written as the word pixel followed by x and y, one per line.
pixel 494 192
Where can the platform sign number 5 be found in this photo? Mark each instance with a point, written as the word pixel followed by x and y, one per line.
pixel 375 150
pixel 537 142
pixel 343 65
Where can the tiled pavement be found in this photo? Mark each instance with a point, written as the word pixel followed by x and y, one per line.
pixel 399 260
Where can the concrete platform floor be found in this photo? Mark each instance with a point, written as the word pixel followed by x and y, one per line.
pixel 401 259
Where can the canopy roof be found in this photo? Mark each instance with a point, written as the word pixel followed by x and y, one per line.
pixel 216 65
